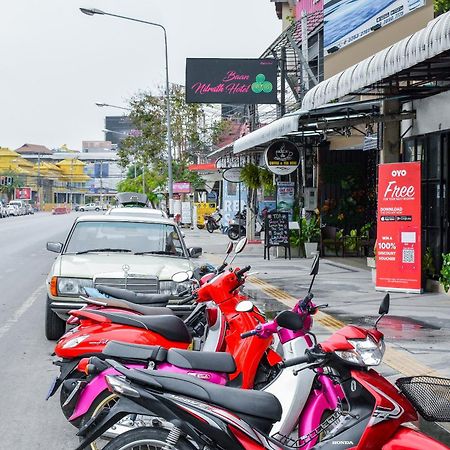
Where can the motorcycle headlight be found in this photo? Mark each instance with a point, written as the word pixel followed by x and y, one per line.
pixel 366 352
pixel 172 288
pixel 75 341
pixel 73 286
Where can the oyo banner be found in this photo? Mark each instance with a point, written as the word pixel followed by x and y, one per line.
pixel 398 246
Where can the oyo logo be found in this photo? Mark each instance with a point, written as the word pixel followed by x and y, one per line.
pixel 395 191
pixel 399 173
pixel 262 85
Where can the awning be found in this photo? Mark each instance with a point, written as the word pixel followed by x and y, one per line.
pixel 276 129
pixel 417 66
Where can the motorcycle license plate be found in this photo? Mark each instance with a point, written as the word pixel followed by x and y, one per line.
pixel 52 388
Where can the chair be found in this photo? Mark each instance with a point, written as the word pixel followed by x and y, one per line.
pixel 329 239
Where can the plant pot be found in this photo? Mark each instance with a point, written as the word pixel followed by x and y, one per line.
pixel 311 249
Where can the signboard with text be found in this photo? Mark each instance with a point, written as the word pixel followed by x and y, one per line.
pixel 398 246
pixel 235 81
pixel 181 187
pixel 282 157
pixel 346 21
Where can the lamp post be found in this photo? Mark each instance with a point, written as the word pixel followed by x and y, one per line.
pixel 102 105
pixel 92 12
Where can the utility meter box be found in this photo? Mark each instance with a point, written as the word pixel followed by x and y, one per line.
pixel 310 198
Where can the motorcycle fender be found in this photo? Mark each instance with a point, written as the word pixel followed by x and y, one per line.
pixel 409 439
pixel 97 426
pixel 273 357
pixel 66 369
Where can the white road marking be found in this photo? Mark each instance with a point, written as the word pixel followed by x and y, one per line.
pixel 22 310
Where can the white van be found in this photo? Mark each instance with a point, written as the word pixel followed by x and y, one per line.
pixel 20 205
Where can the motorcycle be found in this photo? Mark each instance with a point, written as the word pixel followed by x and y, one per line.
pixel 238 227
pixel 212 221
pixel 369 415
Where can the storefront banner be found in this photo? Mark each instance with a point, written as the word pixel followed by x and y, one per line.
pixel 286 197
pixel 346 21
pixel 23 193
pixel 398 246
pixel 181 187
pixel 235 81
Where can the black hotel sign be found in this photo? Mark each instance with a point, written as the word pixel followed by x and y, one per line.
pixel 234 81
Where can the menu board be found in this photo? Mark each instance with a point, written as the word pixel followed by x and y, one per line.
pixel 277 229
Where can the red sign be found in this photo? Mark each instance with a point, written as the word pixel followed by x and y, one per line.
pixel 23 193
pixel 181 187
pixel 398 247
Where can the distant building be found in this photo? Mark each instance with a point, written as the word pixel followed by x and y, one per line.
pixel 33 149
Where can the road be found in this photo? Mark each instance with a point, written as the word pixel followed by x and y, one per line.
pixel 28 422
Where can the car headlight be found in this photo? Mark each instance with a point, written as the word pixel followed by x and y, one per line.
pixel 366 352
pixel 172 288
pixel 75 341
pixel 73 286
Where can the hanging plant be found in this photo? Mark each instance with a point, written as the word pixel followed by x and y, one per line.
pixel 266 179
pixel 250 176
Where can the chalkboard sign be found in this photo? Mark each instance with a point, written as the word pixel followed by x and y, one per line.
pixel 277 232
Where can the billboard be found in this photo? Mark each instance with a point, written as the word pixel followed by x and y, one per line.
pixel 346 21
pixel 23 193
pixel 398 246
pixel 234 81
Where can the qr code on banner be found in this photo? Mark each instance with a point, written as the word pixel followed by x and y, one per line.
pixel 408 255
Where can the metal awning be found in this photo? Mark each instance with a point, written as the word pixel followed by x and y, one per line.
pixel 415 67
pixel 278 128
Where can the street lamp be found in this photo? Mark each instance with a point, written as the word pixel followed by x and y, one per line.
pixel 92 12
pixel 101 105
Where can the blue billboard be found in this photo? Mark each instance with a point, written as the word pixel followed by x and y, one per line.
pixel 346 21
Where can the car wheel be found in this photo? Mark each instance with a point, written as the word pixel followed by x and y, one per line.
pixel 81 209
pixel 54 326
pixel 97 209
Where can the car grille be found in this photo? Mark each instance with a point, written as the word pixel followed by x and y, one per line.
pixel 139 285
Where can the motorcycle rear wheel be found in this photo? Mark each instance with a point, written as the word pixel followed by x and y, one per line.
pixel 146 439
pixel 210 226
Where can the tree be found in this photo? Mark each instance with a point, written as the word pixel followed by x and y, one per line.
pixel 441 6
pixel 17 182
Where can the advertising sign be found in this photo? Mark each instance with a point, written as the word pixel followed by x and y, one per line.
pixel 181 187
pixel 23 193
pixel 282 157
pixel 286 197
pixel 236 81
pixel 398 246
pixel 346 21
pixel 232 175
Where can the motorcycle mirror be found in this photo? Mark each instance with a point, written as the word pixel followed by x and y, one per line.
pixel 180 277
pixel 315 266
pixel 229 248
pixel 241 245
pixel 384 307
pixel 290 320
pixel 244 306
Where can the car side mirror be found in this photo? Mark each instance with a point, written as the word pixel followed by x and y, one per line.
pixel 54 247
pixel 195 252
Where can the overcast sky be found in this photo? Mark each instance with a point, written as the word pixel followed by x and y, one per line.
pixel 55 62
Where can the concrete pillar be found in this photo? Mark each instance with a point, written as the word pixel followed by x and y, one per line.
pixel 390 152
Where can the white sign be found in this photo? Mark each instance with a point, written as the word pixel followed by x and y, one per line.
pixel 232 175
pixel 186 216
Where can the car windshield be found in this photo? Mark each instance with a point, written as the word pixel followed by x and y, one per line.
pixel 127 237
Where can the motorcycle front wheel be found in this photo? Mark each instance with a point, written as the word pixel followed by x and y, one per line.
pixel 146 438
pixel 210 226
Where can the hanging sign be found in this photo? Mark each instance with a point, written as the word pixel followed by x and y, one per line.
pixel 282 157
pixel 232 175
pixel 398 246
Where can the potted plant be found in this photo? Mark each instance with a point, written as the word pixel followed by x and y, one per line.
pixel 429 271
pixel 296 242
pixel 444 279
pixel 310 229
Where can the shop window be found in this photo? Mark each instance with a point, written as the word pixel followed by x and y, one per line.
pixel 231 188
pixel 409 150
pixel 433 156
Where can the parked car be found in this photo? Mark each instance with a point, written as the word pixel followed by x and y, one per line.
pixel 3 210
pixel 89 207
pixel 13 209
pixel 21 205
pixel 29 208
pixel 138 253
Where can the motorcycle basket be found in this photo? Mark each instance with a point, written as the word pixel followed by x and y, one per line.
pixel 429 395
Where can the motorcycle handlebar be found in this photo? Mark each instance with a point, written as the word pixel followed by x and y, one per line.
pixel 186 300
pixel 295 361
pixel 241 272
pixel 249 334
pixel 304 303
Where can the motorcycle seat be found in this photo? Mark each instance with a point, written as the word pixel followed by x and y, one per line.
pixel 127 351
pixel 211 361
pixel 258 404
pixel 146 310
pixel 169 327
pixel 133 297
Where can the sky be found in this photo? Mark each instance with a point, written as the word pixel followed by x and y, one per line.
pixel 56 62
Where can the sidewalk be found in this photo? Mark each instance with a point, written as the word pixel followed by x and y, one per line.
pixel 417 329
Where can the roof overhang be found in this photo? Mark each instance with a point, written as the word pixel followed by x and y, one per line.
pixel 415 67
